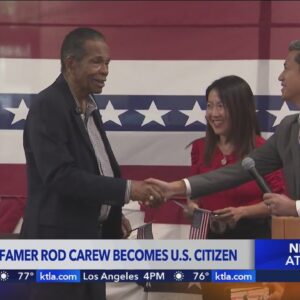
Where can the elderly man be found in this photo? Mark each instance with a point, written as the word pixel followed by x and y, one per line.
pixel 75 189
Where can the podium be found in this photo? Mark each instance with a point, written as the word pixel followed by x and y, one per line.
pixel 285 227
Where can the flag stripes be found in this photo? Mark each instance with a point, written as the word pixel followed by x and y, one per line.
pixel 199 226
pixel 145 232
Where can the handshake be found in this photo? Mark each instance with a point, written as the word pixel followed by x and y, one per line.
pixel 154 192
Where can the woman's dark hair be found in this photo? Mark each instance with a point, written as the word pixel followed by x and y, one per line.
pixel 237 98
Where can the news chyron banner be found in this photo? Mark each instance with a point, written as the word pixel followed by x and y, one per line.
pixel 149 261
pixel 129 255
pixel 116 261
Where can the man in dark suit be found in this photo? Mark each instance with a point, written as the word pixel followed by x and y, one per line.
pixel 75 189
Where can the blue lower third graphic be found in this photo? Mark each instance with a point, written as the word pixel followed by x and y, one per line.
pixel 58 276
pixel 281 255
pixel 233 276
pixel 146 275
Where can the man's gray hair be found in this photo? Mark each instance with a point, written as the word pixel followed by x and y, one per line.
pixel 295 46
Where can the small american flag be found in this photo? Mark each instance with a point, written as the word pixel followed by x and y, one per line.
pixel 199 225
pixel 145 232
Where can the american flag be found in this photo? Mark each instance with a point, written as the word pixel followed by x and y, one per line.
pixel 199 226
pixel 154 96
pixel 156 124
pixel 145 232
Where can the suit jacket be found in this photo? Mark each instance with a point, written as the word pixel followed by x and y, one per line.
pixel 65 190
pixel 281 150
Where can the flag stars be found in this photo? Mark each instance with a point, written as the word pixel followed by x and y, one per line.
pixel 153 114
pixel 111 114
pixel 196 114
pixel 280 114
pixel 20 113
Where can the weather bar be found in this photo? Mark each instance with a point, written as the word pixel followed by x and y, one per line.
pixel 76 276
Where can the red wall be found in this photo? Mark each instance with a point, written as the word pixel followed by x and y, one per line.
pixel 202 28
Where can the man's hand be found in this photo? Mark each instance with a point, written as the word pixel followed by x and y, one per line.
pixel 280 205
pixel 147 193
pixel 169 189
pixel 126 227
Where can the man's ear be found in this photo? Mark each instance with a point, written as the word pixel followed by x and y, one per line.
pixel 69 63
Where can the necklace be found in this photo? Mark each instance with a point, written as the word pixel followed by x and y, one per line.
pixel 226 149
pixel 224 161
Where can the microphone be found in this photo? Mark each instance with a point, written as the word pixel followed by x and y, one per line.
pixel 249 165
